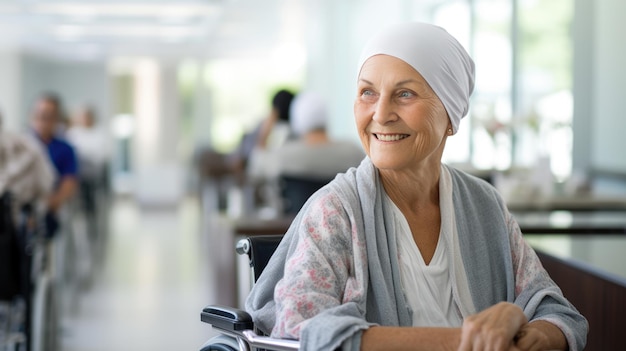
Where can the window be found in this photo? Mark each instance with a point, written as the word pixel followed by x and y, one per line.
pixel 521 109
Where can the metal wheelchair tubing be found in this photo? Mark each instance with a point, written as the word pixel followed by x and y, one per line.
pixel 265 342
pixel 238 335
pixel 248 339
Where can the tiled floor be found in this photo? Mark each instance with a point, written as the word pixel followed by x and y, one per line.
pixel 159 270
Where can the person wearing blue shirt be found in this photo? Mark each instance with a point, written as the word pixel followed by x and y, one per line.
pixel 45 123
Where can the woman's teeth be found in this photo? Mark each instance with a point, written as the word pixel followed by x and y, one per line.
pixel 390 137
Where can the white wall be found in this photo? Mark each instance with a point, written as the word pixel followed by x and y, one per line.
pixel 77 83
pixel 10 87
pixel 25 76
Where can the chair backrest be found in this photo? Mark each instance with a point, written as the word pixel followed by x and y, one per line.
pixel 295 190
pixel 259 250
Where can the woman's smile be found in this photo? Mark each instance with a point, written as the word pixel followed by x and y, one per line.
pixel 390 137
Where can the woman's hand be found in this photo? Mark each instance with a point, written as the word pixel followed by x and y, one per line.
pixel 493 329
pixel 540 335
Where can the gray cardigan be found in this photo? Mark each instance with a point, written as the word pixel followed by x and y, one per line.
pixel 485 241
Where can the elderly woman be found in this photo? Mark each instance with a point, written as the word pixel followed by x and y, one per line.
pixel 403 252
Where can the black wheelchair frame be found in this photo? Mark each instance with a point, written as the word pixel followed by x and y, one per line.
pixel 237 324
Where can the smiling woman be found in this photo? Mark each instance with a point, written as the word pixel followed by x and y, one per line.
pixel 404 252
pixel 401 121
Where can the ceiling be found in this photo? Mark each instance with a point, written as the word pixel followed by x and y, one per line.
pixel 96 29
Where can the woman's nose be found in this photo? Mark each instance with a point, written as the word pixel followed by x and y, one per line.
pixel 384 112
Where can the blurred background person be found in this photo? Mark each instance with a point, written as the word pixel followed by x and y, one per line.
pixel 240 181
pixel 91 143
pixel 46 116
pixel 26 182
pixel 311 159
pixel 261 166
pixel 274 130
pixel 25 171
pixel 67 248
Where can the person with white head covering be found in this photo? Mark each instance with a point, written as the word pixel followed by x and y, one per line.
pixel 404 252
pixel 308 113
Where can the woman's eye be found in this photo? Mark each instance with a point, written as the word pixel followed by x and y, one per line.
pixel 405 94
pixel 368 95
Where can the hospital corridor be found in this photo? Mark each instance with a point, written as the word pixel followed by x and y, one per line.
pixel 154 279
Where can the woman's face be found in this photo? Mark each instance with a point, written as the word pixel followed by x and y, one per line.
pixel 400 120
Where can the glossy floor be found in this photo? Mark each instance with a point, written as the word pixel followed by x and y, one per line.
pixel 148 291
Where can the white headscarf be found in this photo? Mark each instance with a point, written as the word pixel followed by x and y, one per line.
pixel 436 55
pixel 307 113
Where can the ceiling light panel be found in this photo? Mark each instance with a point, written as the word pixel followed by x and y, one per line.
pixel 127 9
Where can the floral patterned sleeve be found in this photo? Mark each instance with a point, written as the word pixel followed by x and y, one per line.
pixel 323 271
pixel 530 273
pixel 525 261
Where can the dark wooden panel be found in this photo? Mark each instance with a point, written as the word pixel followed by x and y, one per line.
pixel 599 297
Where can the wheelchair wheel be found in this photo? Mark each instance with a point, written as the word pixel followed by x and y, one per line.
pixel 221 343
pixel 218 347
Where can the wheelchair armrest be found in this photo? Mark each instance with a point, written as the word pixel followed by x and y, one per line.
pixel 264 342
pixel 227 318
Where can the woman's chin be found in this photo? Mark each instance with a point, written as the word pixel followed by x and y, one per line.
pixel 385 163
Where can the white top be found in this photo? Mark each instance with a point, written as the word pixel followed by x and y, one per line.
pixel 92 147
pixel 429 289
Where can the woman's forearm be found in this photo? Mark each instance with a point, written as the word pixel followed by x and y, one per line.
pixel 410 338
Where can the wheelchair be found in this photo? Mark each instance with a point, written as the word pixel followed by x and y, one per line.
pixel 28 310
pixel 12 266
pixel 236 325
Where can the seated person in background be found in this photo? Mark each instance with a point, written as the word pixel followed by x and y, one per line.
pixel 25 171
pixel 311 156
pixel 45 123
pixel 404 252
pixel 274 130
pixel 272 133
